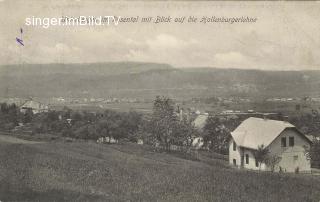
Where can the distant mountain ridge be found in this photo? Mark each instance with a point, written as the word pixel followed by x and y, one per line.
pixel 146 80
pixel 111 68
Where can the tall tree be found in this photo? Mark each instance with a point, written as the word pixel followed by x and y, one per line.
pixel 313 153
pixel 28 116
pixel 261 155
pixel 130 124
pixel 216 135
pixel 185 132
pixel 164 121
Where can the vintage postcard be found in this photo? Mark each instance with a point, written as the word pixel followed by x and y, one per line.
pixel 159 100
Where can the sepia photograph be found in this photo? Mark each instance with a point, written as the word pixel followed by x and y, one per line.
pixel 180 101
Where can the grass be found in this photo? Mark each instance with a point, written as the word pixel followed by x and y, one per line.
pixel 84 171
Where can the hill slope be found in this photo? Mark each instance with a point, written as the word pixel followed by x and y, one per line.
pixel 90 172
pixel 145 80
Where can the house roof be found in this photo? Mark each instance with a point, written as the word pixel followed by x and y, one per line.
pixel 200 121
pixel 254 132
pixel 312 137
pixel 33 105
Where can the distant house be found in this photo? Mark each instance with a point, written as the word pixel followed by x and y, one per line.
pixel 197 142
pixel 109 140
pixel 140 141
pixel 35 106
pixel 281 138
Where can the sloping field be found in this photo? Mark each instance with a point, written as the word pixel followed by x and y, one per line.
pixel 14 140
pixel 83 171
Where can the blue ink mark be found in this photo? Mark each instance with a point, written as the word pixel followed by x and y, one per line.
pixel 20 40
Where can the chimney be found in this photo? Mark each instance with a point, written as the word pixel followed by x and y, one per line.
pixel 181 114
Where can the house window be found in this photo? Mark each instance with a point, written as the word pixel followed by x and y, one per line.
pixel 291 141
pixel 247 159
pixel 283 142
pixel 295 158
pixel 234 146
pixel 234 162
pixel 257 163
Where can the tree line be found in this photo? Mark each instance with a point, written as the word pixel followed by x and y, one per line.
pixel 164 127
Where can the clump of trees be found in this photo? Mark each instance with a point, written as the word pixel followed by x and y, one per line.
pixel 308 123
pixel 166 128
pixel 118 125
pixel 313 153
pixel 75 124
pixel 84 125
pixel 9 116
pixel 216 133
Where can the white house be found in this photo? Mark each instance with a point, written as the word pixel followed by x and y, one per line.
pixel 35 106
pixel 281 138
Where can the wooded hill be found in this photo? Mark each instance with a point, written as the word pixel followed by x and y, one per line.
pixel 145 80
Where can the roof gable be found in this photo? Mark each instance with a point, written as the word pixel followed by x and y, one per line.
pixel 33 105
pixel 200 121
pixel 254 132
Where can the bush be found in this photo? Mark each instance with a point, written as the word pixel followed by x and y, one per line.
pixel 8 126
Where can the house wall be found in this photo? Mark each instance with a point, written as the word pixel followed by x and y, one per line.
pixel 291 157
pixel 234 154
pixel 237 155
pixel 252 160
pixel 34 111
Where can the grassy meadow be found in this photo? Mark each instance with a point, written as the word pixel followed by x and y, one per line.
pixel 86 171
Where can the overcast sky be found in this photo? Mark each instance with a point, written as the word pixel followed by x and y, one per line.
pixel 286 35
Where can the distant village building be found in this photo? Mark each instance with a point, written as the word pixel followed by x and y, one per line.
pixel 229 111
pixel 140 141
pixel 281 138
pixel 61 99
pixel 109 140
pixel 197 142
pixel 35 106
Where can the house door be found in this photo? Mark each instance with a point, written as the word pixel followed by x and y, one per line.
pixel 242 157
pixel 234 162
pixel 242 160
pixel 296 163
